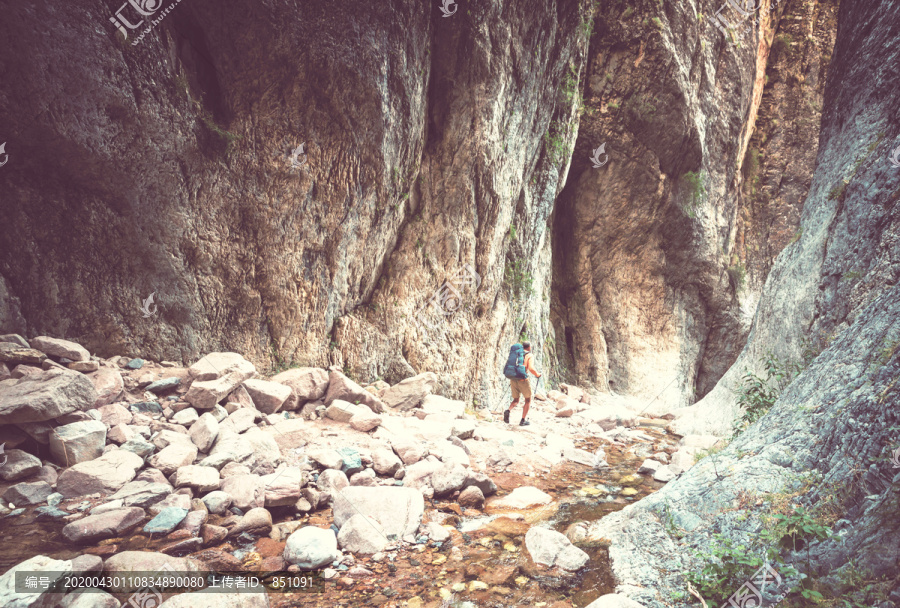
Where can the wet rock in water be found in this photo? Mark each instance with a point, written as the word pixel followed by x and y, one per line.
pixel 198 478
pixel 56 347
pixel 173 456
pixel 54 569
pixel 19 464
pixel 409 450
pixel 193 522
pixel 386 462
pixel 165 385
pixel 177 501
pixel 107 524
pixel 78 442
pixel 166 520
pixel 399 510
pixel 45 395
pixel 436 404
pixel 436 532
pixel 306 384
pixel 343 388
pixel 268 396
pixel 472 496
pixel 186 417
pixel 106 474
pixel 246 491
pixel 212 535
pixel 282 488
pixel 217 502
pixel 614 600
pixel 365 420
pixel 27 493
pixel 409 393
pixel 256 521
pixel 311 548
pixel 649 466
pixel 327 457
pixel 363 535
pixel 551 548
pixel 522 498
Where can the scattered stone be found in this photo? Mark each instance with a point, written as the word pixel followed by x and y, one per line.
pixel 364 421
pixel 366 477
pixel 342 411
pixel 409 393
pixel 45 395
pixel 665 473
pixel 240 420
pixel 212 535
pixel 174 456
pixel 327 457
pixel 205 431
pixel 471 497
pixel 386 462
pixel 551 548
pixel 138 445
pixel 198 478
pixel 135 364
pixel 310 548
pixel 614 600
pixel 163 386
pixel 398 510
pixel 217 502
pixel 27 493
pixel 282 488
pixel 53 569
pixel 306 384
pixel 246 491
pixel 178 501
pixel 332 482
pixel 78 442
pixel 409 450
pixel 109 386
pixel 362 534
pixel 85 367
pixel 257 522
pixel 351 461
pixel 216 365
pixel 166 520
pixel 106 524
pixel 522 498
pixel 448 478
pixel 463 429
pixel 106 474
pixel 142 493
pixel 435 404
pixel 56 347
pixel 18 465
pixel 186 417
pixel 267 396
pixel 649 466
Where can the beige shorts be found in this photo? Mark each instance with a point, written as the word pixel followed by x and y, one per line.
pixel 520 386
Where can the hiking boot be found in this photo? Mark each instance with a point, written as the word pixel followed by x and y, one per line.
pixel 506 416
pixel 524 422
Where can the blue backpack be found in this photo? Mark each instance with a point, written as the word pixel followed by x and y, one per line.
pixel 515 364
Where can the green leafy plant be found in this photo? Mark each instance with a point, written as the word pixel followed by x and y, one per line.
pixel 512 231
pixel 757 395
pixel 555 141
pixel 586 26
pixel 657 22
pixel 693 184
pixel 726 567
pixel 519 280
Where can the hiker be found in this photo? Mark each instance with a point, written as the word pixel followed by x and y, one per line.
pixel 517 367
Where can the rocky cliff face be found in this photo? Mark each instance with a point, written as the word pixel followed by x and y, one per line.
pixel 826 444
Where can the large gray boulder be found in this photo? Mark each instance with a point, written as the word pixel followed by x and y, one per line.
pixel 19 465
pixel 268 397
pixel 282 488
pixel 173 457
pixel 61 348
pixel 363 535
pixel 45 395
pixel 448 478
pixel 199 479
pixel 105 525
pixel 229 447
pixel 409 393
pixel 398 510
pixel 54 569
pixel 311 548
pixel 140 493
pixel 216 365
pixel 550 548
pixel 78 442
pixel 306 384
pixel 106 474
pixel 342 387
pixel 27 493
pixel 204 432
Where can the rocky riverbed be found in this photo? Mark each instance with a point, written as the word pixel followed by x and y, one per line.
pixel 387 495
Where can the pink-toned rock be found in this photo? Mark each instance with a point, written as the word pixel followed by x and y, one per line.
pixel 306 384
pixel 365 420
pixel 104 525
pixel 61 348
pixel 342 387
pixel 109 385
pixel 173 456
pixel 282 488
pixel 207 393
pixel 248 491
pixel 216 365
pixel 409 393
pixel 115 414
pixel 471 497
pixel 566 412
pixel 267 396
pixel 44 396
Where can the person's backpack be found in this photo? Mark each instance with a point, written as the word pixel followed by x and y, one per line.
pixel 515 364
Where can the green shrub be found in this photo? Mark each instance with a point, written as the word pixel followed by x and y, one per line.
pixel 519 280
pixel 725 568
pixel 757 395
pixel 555 140
pixel 693 183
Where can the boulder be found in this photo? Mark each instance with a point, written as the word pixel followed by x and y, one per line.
pixel 282 488
pixel 120 434
pixel 418 475
pixel 256 521
pixel 109 385
pixel 216 365
pixel 166 520
pixel 351 461
pixel 106 474
pixel 265 450
pixel 246 491
pixel 147 562
pixel 200 479
pixel 649 466
pixel 178 501
pixel 229 447
pixel 166 437
pixel 27 493
pixel 185 417
pixel 78 442
pixel 480 481
pixel 206 394
pixel 267 396
pixel 142 493
pixel 15 339
pixel 56 347
pixel 398 510
pixel 436 531
pixel 204 431
pixel 138 445
pixel 435 404
pixel 306 384
pixel 551 548
pixel 40 565
pixel 522 498
pixel 342 387
pixel 342 411
pixel 614 600
pixel 665 473
pixel 107 524
pixel 332 481
pixel 89 598
pixel 448 478
pixel 364 420
pixel 472 496
pixel 240 420
pixel 217 502
pixel 386 462
pixel 165 385
pixel 173 456
pixel 327 457
pixel 310 548
pixel 463 429
pixel 409 393
pixel 18 465
pixel 366 477
pixel 362 534
pixel 45 395
pixel 409 450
